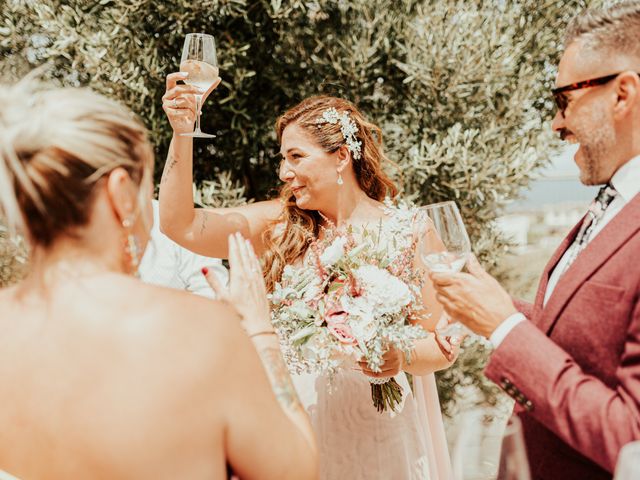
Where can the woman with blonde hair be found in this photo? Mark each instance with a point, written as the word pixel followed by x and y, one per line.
pixel 103 376
pixel 333 177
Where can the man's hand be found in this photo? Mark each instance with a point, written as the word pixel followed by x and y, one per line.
pixel 475 298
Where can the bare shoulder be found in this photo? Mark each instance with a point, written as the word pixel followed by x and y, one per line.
pixel 204 322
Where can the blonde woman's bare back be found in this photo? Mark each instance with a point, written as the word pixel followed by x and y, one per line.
pixel 105 377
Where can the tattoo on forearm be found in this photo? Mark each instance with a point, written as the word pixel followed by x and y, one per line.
pixel 203 223
pixel 171 162
pixel 279 377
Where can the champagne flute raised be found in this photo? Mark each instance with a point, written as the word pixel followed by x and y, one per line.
pixel 445 245
pixel 199 60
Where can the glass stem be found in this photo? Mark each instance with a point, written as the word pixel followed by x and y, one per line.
pixel 198 104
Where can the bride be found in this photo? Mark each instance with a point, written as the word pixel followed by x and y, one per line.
pixel 332 177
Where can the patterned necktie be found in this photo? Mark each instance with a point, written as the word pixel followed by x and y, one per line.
pixel 596 210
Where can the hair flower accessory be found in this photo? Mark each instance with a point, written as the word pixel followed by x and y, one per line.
pixel 347 126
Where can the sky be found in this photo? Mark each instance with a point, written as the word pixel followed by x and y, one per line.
pixel 558 183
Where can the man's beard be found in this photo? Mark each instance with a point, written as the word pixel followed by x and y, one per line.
pixel 596 151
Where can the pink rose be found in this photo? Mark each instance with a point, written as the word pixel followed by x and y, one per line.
pixel 343 333
pixel 337 324
pixel 335 316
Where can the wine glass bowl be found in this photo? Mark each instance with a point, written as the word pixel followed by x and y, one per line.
pixel 200 61
pixel 201 74
pixel 444 246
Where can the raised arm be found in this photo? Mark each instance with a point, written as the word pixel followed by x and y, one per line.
pixel 255 429
pixel 204 231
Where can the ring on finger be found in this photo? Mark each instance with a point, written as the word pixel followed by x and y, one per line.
pixel 175 103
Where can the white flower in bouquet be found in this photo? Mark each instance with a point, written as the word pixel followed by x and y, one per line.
pixel 355 295
pixel 386 292
pixel 301 310
pixel 333 252
pixel 362 317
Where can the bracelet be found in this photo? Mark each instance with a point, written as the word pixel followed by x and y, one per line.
pixel 263 332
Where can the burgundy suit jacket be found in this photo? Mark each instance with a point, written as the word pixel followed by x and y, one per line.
pixel 574 367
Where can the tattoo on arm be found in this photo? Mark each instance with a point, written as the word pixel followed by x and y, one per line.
pixel 171 162
pixel 279 377
pixel 203 223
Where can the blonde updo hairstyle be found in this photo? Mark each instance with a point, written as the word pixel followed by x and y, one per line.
pixel 289 237
pixel 55 146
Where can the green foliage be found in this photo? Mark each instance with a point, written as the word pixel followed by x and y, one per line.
pixel 460 88
pixel 221 192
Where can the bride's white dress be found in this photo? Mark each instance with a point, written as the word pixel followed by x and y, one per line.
pixel 355 441
pixel 358 443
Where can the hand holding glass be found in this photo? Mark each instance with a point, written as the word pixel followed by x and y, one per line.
pixel 444 246
pixel 200 62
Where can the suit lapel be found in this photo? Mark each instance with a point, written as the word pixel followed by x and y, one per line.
pixel 605 244
pixel 546 274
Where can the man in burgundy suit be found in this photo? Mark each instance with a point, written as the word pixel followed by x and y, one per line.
pixel 572 359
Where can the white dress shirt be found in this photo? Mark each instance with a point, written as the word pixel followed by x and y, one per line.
pixel 626 181
pixel 168 264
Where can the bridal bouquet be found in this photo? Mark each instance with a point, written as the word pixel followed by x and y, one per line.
pixel 350 300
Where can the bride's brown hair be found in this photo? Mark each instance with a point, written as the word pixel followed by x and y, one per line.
pixel 289 236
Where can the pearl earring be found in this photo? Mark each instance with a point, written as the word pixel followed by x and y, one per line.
pixel 340 181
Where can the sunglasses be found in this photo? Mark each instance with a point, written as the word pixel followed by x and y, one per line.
pixel 562 100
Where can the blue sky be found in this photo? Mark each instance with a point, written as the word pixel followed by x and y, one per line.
pixel 558 183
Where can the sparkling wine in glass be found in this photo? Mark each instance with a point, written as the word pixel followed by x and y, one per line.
pixel 200 62
pixel 444 246
pixel 628 466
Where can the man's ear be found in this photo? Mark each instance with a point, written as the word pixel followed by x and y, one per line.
pixel 343 158
pixel 628 92
pixel 121 192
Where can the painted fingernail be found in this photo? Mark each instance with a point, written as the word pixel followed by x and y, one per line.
pixel 205 270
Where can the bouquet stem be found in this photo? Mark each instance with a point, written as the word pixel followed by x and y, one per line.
pixel 386 395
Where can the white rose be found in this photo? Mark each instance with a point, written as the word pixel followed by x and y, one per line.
pixel 361 317
pixel 333 252
pixel 387 293
pixel 363 328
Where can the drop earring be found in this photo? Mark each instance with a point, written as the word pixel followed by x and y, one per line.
pixel 131 248
pixel 340 181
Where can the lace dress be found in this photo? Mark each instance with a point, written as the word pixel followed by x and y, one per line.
pixel 355 441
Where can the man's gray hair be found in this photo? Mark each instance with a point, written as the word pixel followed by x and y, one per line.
pixel 612 29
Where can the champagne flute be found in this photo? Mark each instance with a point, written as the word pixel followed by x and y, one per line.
pixel 444 246
pixel 487 449
pixel 513 454
pixel 200 62
pixel 628 466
